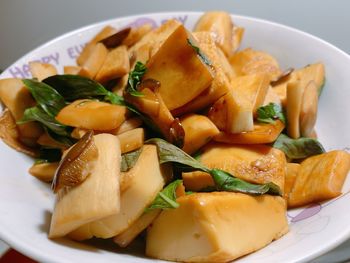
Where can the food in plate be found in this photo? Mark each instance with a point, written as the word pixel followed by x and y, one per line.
pixel 248 124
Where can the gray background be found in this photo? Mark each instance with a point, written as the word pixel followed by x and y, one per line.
pixel 25 24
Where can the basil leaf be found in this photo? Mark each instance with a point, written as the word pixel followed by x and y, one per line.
pixel 166 199
pixel 48 98
pixel 226 182
pixel 201 55
pixel 129 160
pixel 270 113
pixel 49 155
pixel 168 152
pixel 74 87
pixel 223 181
pixel 134 79
pixel 39 115
pixel 298 148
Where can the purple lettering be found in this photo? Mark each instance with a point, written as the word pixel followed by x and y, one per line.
pixel 25 69
pixel 45 59
pixel 182 19
pixel 16 72
pixel 55 57
pixel 71 53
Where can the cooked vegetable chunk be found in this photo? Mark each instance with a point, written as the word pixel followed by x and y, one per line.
pixel 254 163
pixel 292 170
pixel 197 231
pixel 320 177
pixel 41 70
pixel 131 140
pixel 71 70
pixel 94 115
pixel 115 65
pixel 308 111
pixel 94 62
pixel 220 25
pixel 179 69
pixel 250 61
pixel 295 91
pixel 44 171
pixel 221 82
pixel 198 131
pixel 313 72
pixel 76 206
pixel 233 112
pixel 148 179
pixel 262 133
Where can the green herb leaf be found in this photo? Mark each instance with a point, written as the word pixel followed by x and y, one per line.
pixel 74 87
pixel 47 97
pixel 38 114
pixel 270 113
pixel 226 182
pixel 134 79
pixel 168 152
pixel 298 148
pixel 223 180
pixel 201 55
pixel 129 160
pixel 166 199
pixel 49 155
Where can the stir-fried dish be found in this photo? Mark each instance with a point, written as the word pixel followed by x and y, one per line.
pixel 184 137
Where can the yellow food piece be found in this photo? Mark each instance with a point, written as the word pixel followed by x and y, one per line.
pixel 254 163
pixel 292 170
pixel 246 94
pixel 262 133
pixel 47 141
pixel 308 111
pixel 237 36
pixel 44 171
pixel 94 115
pixel 199 130
pixel 148 178
pixel 41 70
pixel 126 237
pixel 86 53
pixel 94 61
pixel 179 69
pixel 250 61
pixel 221 82
pixel 150 43
pixel 17 98
pixel 84 203
pixel 313 72
pixel 320 177
pixel 131 140
pixel 71 70
pixel 272 97
pixel 216 227
pixel 136 33
pixel 220 25
pixel 10 134
pixel 115 65
pixel 128 125
pixel 295 91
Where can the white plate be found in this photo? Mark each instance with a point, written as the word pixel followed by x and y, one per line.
pixel 26 203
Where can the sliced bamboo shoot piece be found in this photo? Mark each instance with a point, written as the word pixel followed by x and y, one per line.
pixel 292 170
pixel 94 115
pixel 295 91
pixel 199 130
pixel 41 70
pixel 128 125
pixel 10 135
pixel 220 25
pixel 308 111
pixel 131 140
pixel 84 203
pixel 126 237
pixel 71 70
pixel 86 53
pixel 179 69
pixel 46 140
pixel 148 179
pixel 136 33
pixel 44 171
pixel 94 62
pixel 237 36
pixel 115 66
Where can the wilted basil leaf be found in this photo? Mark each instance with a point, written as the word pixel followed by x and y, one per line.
pixel 270 113
pixel 166 199
pixel 129 160
pixel 298 148
pixel 134 79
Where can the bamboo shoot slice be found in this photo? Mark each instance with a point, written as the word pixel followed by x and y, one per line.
pixel 41 70
pixel 131 140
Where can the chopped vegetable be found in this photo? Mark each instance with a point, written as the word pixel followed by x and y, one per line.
pixel 269 113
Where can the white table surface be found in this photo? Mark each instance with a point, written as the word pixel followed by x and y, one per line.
pixel 27 24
